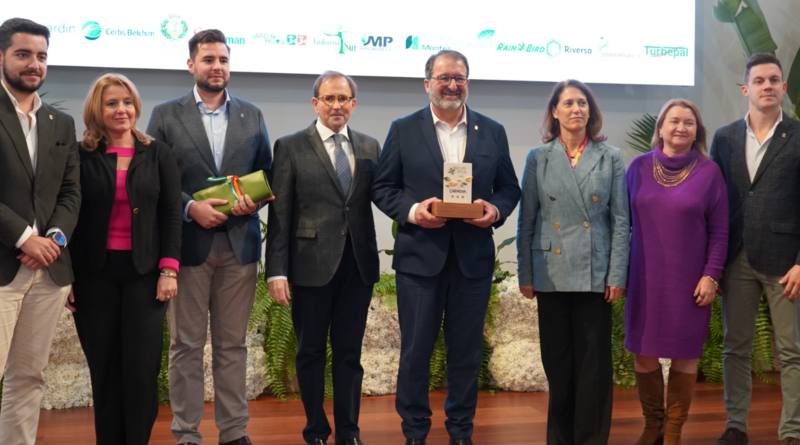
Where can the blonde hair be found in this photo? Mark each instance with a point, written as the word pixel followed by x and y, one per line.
pixel 93 110
pixel 700 137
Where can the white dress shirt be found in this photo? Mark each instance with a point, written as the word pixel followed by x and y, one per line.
pixel 30 129
pixel 753 149
pixel 326 134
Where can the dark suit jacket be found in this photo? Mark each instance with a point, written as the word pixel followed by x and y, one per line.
pixel 764 213
pixel 312 216
pixel 410 170
pixel 51 195
pixel 154 193
pixel 178 123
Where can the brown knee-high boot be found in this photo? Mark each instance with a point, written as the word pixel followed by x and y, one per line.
pixel 679 398
pixel 651 396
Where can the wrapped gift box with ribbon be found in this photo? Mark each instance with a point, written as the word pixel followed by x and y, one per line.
pixel 232 188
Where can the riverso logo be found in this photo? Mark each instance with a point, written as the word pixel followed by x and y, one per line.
pixel 91 30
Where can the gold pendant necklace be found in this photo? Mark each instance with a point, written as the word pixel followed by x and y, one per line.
pixel 671 178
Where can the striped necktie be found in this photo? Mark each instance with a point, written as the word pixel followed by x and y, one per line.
pixel 341 164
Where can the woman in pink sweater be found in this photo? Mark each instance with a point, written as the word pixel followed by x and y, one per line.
pixel 125 250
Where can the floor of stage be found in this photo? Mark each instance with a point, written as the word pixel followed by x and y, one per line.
pixel 504 418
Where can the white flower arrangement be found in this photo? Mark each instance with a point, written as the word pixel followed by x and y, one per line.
pixel 515 363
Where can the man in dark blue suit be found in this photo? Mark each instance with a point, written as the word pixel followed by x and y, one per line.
pixel 444 267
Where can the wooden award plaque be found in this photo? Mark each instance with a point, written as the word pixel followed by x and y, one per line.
pixel 457 193
pixel 456 210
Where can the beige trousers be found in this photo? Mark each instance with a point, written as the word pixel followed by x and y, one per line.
pixel 30 307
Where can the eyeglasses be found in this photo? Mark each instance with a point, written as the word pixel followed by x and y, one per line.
pixel 444 78
pixel 332 99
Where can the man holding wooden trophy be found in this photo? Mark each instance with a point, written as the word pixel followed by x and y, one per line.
pixel 444 252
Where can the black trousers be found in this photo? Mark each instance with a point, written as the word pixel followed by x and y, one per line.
pixel 575 336
pixel 423 304
pixel 339 308
pixel 120 323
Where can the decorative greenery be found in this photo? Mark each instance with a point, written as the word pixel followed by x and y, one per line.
pixel 710 365
pixel 753 31
pixel 642 132
pixel 163 373
pixel 621 359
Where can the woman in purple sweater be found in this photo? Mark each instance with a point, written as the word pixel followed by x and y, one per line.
pixel 679 212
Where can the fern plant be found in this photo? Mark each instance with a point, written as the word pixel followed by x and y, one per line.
pixel 710 365
pixel 621 359
pixel 763 341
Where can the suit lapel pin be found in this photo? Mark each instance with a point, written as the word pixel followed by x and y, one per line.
pixel 476 128
pixel 783 135
pixel 242 115
pixel 51 116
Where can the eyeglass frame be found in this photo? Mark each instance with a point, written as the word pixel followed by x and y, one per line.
pixel 336 98
pixel 445 79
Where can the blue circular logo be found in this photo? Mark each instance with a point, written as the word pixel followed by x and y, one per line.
pixel 91 30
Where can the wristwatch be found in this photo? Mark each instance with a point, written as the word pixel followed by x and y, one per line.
pixel 58 238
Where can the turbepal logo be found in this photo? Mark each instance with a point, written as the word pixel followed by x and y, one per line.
pixel 91 30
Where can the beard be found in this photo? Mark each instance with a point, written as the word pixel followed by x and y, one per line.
pixel 448 102
pixel 205 86
pixel 16 82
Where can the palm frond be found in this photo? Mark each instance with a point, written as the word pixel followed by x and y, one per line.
pixel 642 131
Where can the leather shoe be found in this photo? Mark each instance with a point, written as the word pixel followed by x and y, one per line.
pixel 244 440
pixel 317 441
pixel 411 441
pixel 349 441
pixel 466 441
pixel 733 436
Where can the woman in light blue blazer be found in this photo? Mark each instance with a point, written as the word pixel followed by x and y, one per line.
pixel 572 244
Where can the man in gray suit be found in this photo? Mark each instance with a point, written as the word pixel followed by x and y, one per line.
pixel 39 202
pixel 212 134
pixel 760 158
pixel 321 245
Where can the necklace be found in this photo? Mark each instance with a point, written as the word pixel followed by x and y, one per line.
pixel 670 178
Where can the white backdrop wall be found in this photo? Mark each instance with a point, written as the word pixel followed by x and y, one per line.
pixel 285 99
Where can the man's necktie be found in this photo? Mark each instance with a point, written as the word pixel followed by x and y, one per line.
pixel 341 164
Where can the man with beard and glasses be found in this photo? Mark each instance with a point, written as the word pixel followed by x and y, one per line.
pixel 212 135
pixel 444 266
pixel 39 203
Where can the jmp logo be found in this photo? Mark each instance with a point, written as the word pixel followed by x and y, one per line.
pixel 377 41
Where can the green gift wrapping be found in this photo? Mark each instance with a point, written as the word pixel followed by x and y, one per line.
pixel 231 188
